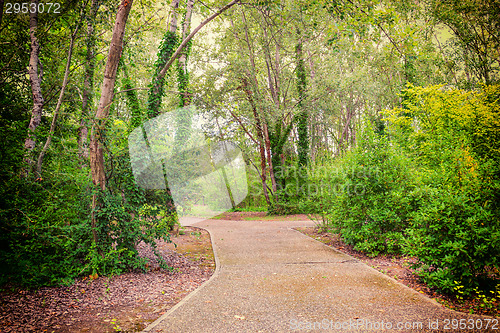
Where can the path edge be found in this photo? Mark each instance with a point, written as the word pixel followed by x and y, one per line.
pixel 194 292
pixel 416 293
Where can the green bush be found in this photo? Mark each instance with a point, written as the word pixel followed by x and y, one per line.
pixel 123 220
pixel 456 240
pixel 43 240
pixel 372 198
pixel 453 136
pixel 45 231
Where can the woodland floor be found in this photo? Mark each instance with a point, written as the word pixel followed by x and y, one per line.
pixel 129 302
pixel 124 303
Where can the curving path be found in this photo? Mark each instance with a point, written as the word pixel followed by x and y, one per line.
pixel 271 278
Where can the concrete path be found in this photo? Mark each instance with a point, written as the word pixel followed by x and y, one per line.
pixel 271 278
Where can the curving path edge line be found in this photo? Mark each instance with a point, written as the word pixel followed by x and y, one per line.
pixel 387 277
pixel 194 292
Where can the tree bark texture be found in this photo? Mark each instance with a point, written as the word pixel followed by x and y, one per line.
pixel 182 72
pixel 35 75
pixel 96 150
pixel 96 139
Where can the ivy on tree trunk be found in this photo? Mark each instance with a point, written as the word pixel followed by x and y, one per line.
pixel 132 100
pixel 88 83
pixel 167 47
pixel 303 145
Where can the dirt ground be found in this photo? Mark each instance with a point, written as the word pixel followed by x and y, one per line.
pixel 125 303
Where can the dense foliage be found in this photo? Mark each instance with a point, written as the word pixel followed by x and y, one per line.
pixel 426 186
pixel 453 137
pixel 372 206
pixel 46 234
pixel 381 117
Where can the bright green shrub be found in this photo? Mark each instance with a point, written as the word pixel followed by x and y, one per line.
pixel 456 238
pixel 453 137
pixel 371 199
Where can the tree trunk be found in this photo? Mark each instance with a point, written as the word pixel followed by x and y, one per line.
pixel 1 12
pixel 262 133
pixel 35 75
pixel 88 84
pixel 181 47
pixel 182 72
pixel 271 79
pixel 303 144
pixel 260 140
pixel 344 136
pixel 263 176
pixel 132 99
pixel 155 93
pixel 270 159
pixel 96 138
pixel 222 169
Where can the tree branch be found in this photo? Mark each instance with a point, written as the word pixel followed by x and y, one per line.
pixel 190 36
pixel 59 102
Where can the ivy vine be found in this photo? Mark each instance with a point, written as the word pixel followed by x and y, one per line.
pixel 303 144
pixel 167 47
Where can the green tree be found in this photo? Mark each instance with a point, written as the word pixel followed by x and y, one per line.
pixel 474 25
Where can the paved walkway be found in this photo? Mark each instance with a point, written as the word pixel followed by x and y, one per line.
pixel 271 278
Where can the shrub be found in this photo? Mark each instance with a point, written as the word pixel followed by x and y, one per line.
pixel 46 234
pixel 43 240
pixel 456 239
pixel 453 136
pixel 123 220
pixel 371 199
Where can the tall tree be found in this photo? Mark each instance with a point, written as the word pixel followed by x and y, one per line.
pixel 182 71
pixel 88 83
pixel 59 102
pixel 259 77
pixel 136 113
pixel 475 25
pixel 183 120
pixel 167 58
pixel 303 144
pixel 96 151
pixel 35 75
pixel 167 47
